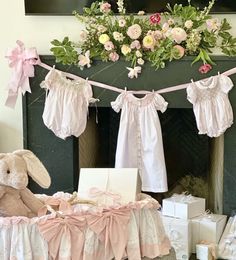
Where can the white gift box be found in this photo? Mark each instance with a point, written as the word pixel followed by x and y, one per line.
pixel 183 206
pixel 205 252
pixel 208 227
pixel 179 233
pixel 227 244
pixel 106 186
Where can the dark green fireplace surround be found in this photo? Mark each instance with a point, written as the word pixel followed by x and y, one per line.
pixel 61 157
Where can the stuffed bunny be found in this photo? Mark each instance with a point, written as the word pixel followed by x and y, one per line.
pixel 15 198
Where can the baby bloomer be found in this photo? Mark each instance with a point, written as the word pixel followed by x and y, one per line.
pixel 211 106
pixel 66 106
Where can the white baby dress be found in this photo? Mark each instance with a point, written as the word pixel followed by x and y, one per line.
pixel 211 106
pixel 139 142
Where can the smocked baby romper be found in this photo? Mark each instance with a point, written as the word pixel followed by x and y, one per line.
pixel 66 106
pixel 139 142
pixel 211 106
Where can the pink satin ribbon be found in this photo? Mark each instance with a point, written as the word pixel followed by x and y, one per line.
pixel 56 230
pixel 112 229
pixel 22 62
pixel 95 192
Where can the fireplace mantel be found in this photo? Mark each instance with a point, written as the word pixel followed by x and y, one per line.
pixel 58 155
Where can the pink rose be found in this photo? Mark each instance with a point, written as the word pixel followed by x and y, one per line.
pixel 108 46
pixel 155 18
pixel 135 45
pixel 181 51
pixel 205 68
pixel 157 34
pixel 105 7
pixel 113 56
pixel 178 34
pixel 134 31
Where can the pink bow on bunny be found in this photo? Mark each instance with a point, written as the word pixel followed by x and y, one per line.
pixel 22 61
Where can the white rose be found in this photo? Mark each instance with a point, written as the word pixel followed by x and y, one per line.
pixel 138 54
pixel 118 36
pixel 140 61
pixel 188 24
pixel 125 49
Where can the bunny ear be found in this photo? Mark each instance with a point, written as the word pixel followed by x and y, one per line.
pixel 35 168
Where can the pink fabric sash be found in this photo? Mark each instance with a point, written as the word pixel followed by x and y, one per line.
pixel 71 228
pixel 22 61
pixel 111 228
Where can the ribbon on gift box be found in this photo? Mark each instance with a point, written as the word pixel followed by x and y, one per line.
pixel 95 192
pixel 207 216
pixel 22 61
pixel 183 197
pixel 211 246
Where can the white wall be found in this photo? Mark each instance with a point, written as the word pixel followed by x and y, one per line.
pixel 34 31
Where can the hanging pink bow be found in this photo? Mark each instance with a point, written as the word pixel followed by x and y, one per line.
pixel 58 230
pixel 112 229
pixel 22 61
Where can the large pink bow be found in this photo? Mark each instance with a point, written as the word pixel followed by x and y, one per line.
pixel 22 61
pixel 112 228
pixel 57 231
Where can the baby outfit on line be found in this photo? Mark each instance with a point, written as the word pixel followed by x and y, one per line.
pixel 139 143
pixel 211 105
pixel 66 105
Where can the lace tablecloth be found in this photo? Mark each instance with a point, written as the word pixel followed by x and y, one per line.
pixel 130 231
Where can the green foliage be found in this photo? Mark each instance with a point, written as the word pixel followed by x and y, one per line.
pixel 198 33
pixel 64 51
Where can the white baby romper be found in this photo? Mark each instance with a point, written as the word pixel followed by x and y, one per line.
pixel 211 106
pixel 66 105
pixel 139 142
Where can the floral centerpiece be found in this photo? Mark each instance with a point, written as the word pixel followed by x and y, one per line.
pixel 158 38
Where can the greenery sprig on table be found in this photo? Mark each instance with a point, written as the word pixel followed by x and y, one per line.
pixel 159 38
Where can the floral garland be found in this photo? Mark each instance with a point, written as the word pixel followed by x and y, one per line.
pixel 159 38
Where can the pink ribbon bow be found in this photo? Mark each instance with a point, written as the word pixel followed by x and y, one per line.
pixel 95 192
pixel 58 230
pixel 22 61
pixel 112 228
pixel 60 204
